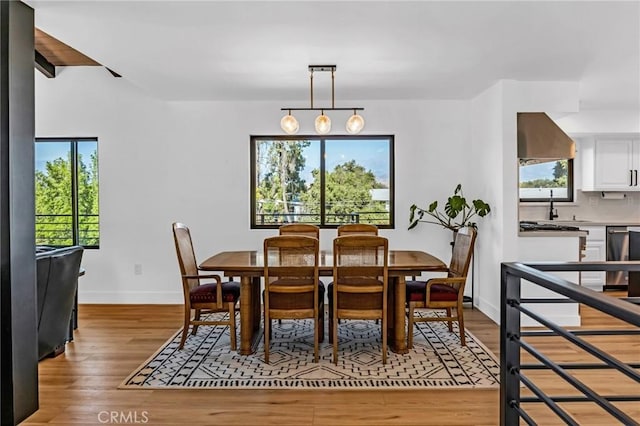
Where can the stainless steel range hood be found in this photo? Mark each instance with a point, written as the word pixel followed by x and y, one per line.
pixel 540 139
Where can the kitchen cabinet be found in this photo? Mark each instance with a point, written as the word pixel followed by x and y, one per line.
pixel 594 251
pixel 546 247
pixel 610 163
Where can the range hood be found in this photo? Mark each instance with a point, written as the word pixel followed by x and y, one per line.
pixel 540 139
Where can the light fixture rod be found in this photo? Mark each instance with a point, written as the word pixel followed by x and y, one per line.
pixel 311 84
pixel 333 89
pixel 323 109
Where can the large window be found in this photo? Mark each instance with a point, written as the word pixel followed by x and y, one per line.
pixel 540 180
pixel 327 181
pixel 67 192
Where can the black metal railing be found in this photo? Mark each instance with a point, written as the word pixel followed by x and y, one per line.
pixel 373 217
pixel 59 230
pixel 512 404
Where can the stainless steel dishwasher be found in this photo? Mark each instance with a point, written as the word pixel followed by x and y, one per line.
pixel 617 250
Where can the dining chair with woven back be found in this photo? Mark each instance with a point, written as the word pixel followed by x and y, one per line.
pixel 203 298
pixel 443 293
pixel 292 286
pixel 306 229
pixel 357 229
pixel 360 284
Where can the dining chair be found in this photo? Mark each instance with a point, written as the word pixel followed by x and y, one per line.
pixel 357 228
pixel 203 298
pixel 360 284
pixel 300 229
pixel 306 229
pixel 444 293
pixel 293 289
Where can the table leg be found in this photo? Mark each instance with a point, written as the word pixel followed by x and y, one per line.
pixel 249 320
pixel 257 305
pixel 399 336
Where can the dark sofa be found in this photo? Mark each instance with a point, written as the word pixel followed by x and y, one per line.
pixel 57 282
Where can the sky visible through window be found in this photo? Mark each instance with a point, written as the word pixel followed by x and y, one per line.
pixel 49 151
pixel 372 154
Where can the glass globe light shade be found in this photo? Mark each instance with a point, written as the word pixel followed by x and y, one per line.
pixel 355 124
pixel 289 124
pixel 323 124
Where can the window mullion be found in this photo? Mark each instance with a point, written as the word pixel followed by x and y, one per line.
pixel 74 192
pixel 323 220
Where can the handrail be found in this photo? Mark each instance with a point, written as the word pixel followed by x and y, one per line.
pixel 511 342
pixel 618 308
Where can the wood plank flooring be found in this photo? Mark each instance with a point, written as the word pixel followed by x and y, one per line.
pixel 79 387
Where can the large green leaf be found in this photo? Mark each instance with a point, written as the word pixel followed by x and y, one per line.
pixel 481 208
pixel 455 204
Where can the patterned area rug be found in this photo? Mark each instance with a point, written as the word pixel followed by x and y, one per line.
pixel 207 361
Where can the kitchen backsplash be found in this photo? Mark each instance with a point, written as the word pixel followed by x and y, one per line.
pixel 588 206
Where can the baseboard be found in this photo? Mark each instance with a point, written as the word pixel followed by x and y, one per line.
pixel 489 310
pixel 564 320
pixel 137 297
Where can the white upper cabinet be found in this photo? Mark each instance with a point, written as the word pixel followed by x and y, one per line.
pixel 610 164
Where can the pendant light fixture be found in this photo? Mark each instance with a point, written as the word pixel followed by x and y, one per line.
pixel 323 124
pixel 354 124
pixel 289 124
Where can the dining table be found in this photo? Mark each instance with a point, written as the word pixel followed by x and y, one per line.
pixel 248 265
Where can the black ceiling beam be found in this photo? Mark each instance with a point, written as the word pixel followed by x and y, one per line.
pixel 113 73
pixel 44 66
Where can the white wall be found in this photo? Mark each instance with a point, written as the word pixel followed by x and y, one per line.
pixel 161 162
pixel 488 182
pixel 598 121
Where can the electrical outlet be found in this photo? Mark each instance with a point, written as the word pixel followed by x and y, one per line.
pixel 593 201
pixel 137 269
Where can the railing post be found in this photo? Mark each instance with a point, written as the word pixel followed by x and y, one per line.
pixel 509 348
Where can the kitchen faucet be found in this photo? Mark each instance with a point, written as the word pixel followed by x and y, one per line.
pixel 552 214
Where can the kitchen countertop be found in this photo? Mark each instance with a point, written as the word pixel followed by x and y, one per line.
pixel 552 233
pixel 579 223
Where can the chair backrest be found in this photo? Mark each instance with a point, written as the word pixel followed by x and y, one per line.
pixel 300 229
pixel 58 272
pixel 357 228
pixel 360 263
pixel 291 264
pixel 186 255
pixel 462 252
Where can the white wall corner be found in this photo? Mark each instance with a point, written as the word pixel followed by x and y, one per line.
pixel 542 96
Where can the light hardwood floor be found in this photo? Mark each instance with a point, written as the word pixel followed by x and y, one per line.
pixel 80 386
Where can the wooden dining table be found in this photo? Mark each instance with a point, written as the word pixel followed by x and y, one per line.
pixel 249 267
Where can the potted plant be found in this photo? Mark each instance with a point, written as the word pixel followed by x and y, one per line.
pixel 457 212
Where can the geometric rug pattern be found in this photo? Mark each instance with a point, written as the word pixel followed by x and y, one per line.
pixel 437 360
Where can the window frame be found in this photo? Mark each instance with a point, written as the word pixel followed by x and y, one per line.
pixel 73 142
pixel 322 139
pixel 570 186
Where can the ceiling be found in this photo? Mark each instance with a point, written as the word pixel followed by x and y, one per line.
pixel 260 50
